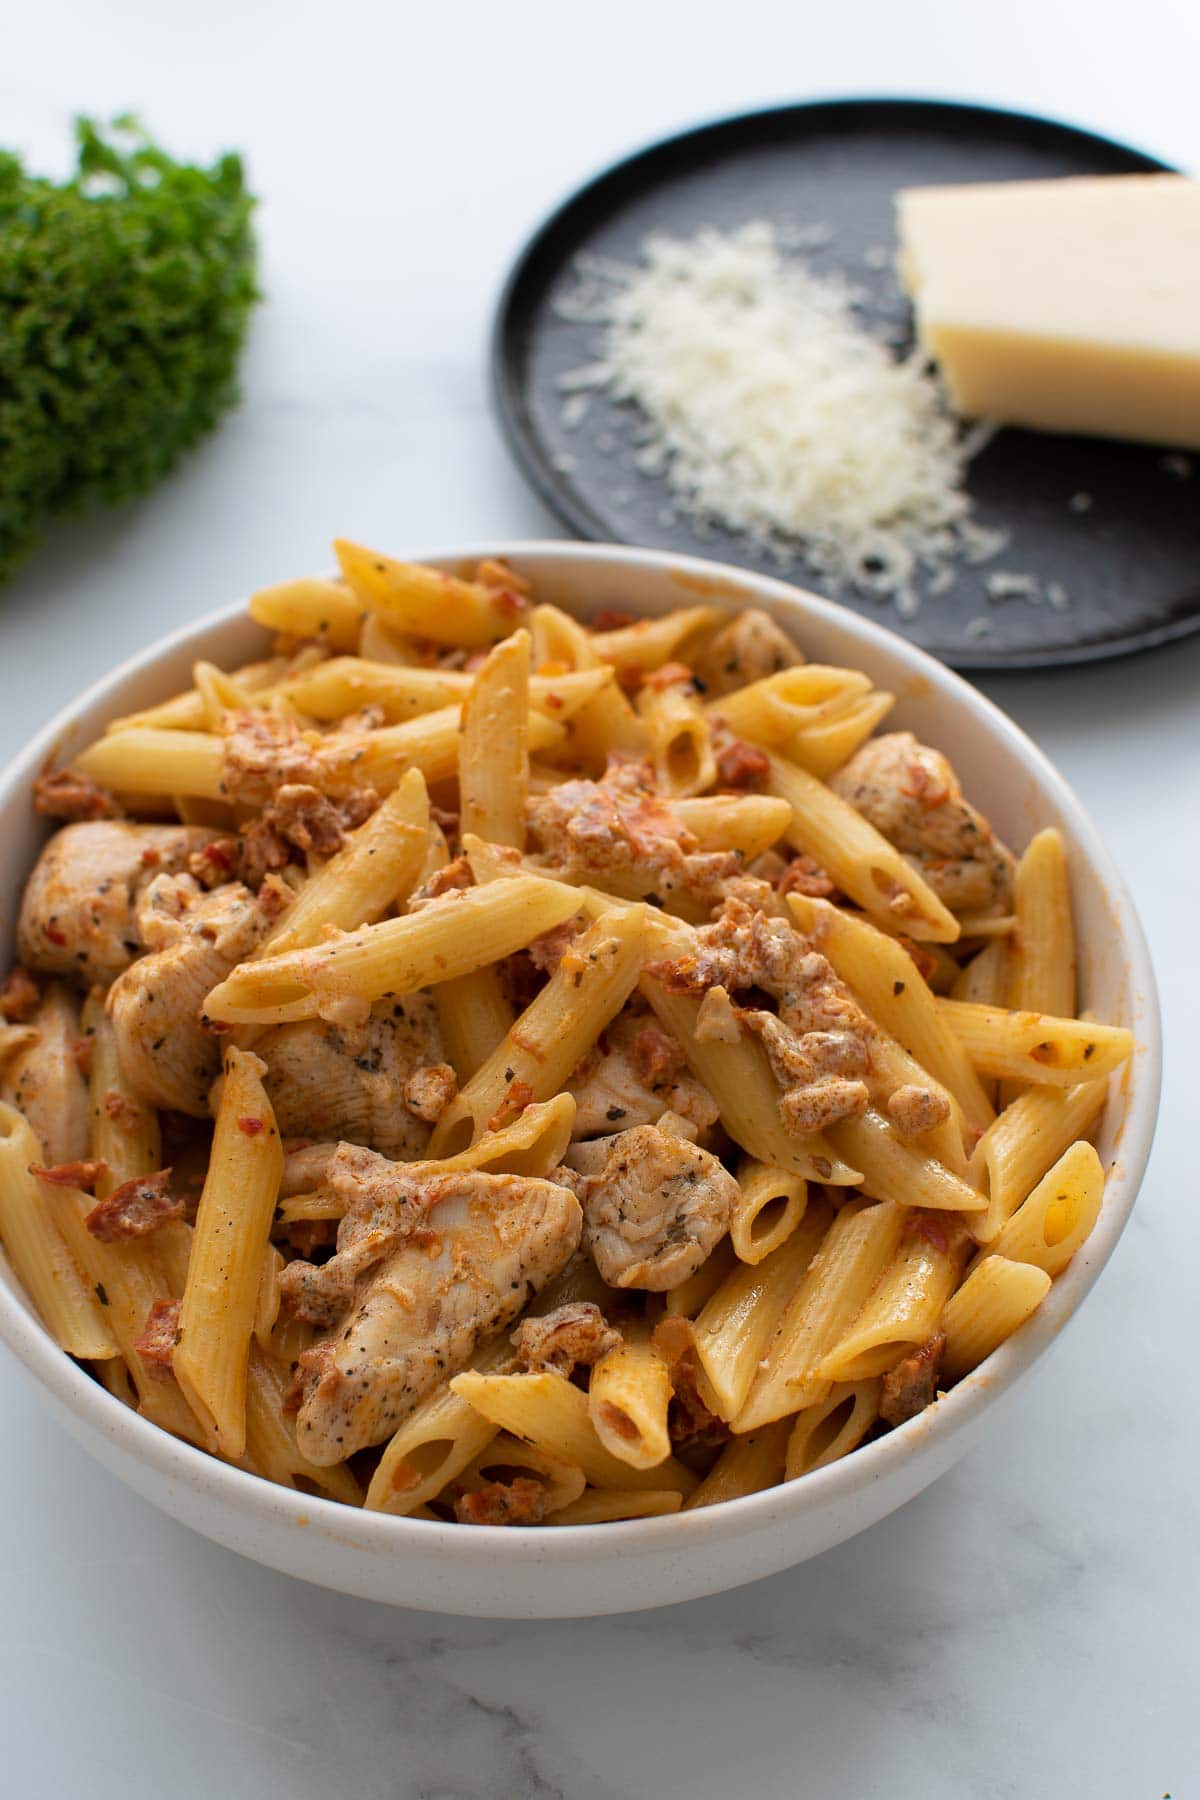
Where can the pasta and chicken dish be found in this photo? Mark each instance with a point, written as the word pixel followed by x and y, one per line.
pixel 490 1067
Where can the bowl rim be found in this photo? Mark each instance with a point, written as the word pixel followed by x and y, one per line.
pixel 375 1533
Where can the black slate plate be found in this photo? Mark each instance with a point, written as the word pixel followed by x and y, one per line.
pixel 1130 562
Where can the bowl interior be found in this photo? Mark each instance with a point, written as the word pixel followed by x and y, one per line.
pixel 1001 771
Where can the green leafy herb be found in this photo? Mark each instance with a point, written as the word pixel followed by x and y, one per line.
pixel 124 297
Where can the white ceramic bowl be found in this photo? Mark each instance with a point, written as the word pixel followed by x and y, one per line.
pixel 586 1570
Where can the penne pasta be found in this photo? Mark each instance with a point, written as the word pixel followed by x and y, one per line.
pixel 628 1396
pixel 984 980
pixel 493 753
pixel 125 1135
pixel 271 1449
pixel 824 747
pixel 854 1253
pixel 328 611
pixel 734 1328
pixel 856 856
pixel 903 1311
pixel 462 930
pixel 220 1299
pixel 474 1016
pixel 750 823
pixel 599 1506
pixel 649 643
pixel 548 1041
pixel 745 1466
pixel 548 1411
pixel 377 866
pixel 773 711
pixel 440 1439
pixel 893 1169
pixel 1025 1141
pixel 1035 1048
pixel 1055 1220
pixel 677 731
pixel 994 1301
pixel 424 603
pixel 771 1206
pixel 506 1459
pixel 686 1300
pixel 1043 960
pixel 824 1433
pixel 72 1312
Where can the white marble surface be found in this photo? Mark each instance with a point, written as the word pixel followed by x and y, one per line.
pixel 1027 1627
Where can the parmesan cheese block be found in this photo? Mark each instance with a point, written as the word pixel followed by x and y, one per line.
pixel 1068 306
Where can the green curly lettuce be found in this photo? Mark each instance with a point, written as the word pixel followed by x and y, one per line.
pixel 124 297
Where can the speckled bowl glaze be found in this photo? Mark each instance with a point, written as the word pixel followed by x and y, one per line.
pixel 582 1571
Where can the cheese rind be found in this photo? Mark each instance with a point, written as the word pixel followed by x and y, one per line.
pixel 1065 306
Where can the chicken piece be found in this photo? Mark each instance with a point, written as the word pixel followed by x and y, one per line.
pixel 912 1385
pixel 573 1335
pixel 160 1334
pixel 751 647
pixel 78 914
pixel 820 1072
pixel 630 1080
pixel 654 1206
pixel 300 818
pixel 489 1242
pixel 44 1080
pixel 20 996
pixel 353 1081
pixel 623 825
pixel 166 1052
pixel 914 1110
pixel 913 797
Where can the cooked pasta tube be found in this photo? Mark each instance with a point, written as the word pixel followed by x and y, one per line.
pixel 893 1169
pixel 772 711
pixel 745 1466
pixel 311 608
pixel 271 1449
pixel 750 823
pixel 533 1144
pixel 994 1301
pixel 597 1506
pixel 734 1327
pixel 740 1080
pixel 463 930
pixel 560 640
pixel 266 1311
pixel 535 1060
pixel 771 1206
pixel 891 988
pixel 677 731
pixel 493 751
pixel 187 711
pixel 474 1016
pixel 377 866
pixel 1043 959
pixel 984 980
pixel 548 1411
pixel 649 643
pixel 125 1136
pixel 853 1255
pixel 1026 1139
pixel 151 762
pixel 1034 1047
pixel 628 1396
pixel 832 1428
pixel 858 858
pixel 434 1445
pixel 425 603
pixel 824 747
pixel 903 1311
pixel 14 1038
pixel 507 1456
pixel 1057 1218
pixel 220 1299
pixel 343 684
pixel 219 693
pixel 68 1307
pixel 430 743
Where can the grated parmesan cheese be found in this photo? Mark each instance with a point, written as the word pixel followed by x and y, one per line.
pixel 766 406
